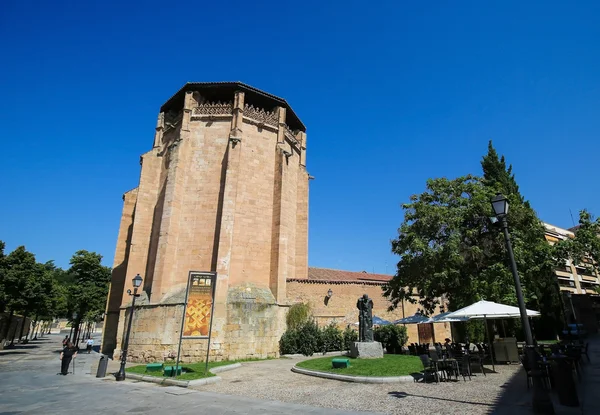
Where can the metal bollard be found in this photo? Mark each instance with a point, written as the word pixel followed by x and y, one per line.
pixel 102 366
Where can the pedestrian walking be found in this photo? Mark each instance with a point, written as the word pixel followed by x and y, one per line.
pixel 90 344
pixel 68 353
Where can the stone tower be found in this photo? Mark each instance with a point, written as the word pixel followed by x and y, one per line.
pixel 224 189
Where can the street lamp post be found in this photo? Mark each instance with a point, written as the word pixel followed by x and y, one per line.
pixel 137 282
pixel 541 401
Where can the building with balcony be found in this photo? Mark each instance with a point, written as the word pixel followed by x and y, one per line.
pixel 578 285
pixel 576 279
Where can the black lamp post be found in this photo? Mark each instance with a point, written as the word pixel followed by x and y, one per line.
pixel 541 401
pixel 137 282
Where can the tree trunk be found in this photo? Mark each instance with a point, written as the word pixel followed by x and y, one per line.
pixel 14 333
pixel 32 328
pixel 75 332
pixel 35 330
pixel 22 327
pixel 7 327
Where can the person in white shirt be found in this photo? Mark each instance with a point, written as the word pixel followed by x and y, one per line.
pixel 90 344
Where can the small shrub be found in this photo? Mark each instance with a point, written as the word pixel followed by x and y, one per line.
pixel 288 344
pixel 332 339
pixel 392 337
pixel 309 337
pixel 350 336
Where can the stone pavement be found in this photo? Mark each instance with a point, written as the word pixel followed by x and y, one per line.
pixel 30 383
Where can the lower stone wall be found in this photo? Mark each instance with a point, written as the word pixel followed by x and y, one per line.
pixel 249 325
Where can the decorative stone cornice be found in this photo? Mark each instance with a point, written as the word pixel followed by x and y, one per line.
pixel 290 135
pixel 334 282
pixel 261 116
pixel 213 108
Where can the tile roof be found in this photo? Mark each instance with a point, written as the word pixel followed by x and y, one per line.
pixel 338 276
pixel 225 90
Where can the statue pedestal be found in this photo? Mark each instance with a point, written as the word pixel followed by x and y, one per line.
pixel 366 350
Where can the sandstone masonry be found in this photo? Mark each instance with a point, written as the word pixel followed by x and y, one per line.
pixel 224 189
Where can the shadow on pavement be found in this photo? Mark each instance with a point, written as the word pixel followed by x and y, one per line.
pixel 401 395
pixel 6 353
pixel 24 346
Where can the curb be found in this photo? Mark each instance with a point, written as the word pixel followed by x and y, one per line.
pixel 205 381
pixel 356 379
pixel 314 355
pixel 184 383
pixel 225 368
pixel 157 380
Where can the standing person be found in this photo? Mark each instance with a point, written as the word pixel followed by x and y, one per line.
pixel 65 340
pixel 90 344
pixel 68 353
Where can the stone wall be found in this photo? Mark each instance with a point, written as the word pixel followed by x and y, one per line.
pixel 250 328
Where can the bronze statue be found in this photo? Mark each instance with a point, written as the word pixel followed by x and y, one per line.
pixel 365 319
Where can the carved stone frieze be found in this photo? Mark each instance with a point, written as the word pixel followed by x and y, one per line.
pixel 259 114
pixel 290 135
pixel 213 108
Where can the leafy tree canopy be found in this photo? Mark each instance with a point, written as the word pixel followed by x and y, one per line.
pixel 448 245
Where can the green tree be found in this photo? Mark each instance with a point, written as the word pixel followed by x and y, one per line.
pixel 448 245
pixel 3 295
pixel 19 284
pixel 86 295
pixel 584 248
pixel 497 175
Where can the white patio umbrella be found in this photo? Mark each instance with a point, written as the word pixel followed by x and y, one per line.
pixel 488 309
pixel 444 318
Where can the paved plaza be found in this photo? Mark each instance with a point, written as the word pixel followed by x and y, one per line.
pixel 30 384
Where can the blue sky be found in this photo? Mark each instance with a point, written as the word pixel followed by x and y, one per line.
pixel 392 93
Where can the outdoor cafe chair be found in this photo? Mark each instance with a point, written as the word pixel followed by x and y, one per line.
pixel 585 351
pixel 464 367
pixel 429 368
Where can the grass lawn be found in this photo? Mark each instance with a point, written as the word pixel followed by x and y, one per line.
pixel 192 370
pixel 390 365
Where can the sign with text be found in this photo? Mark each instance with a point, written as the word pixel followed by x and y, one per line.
pixel 200 297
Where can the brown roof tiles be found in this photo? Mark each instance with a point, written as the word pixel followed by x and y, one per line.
pixel 333 275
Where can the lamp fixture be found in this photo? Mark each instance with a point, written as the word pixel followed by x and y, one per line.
pixel 500 205
pixel 137 281
pixel 329 293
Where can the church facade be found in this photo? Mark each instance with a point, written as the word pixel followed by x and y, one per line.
pixel 222 208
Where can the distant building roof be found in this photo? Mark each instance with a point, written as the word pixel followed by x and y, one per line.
pixel 557 231
pixel 340 277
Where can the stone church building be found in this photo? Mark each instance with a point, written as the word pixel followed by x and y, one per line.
pixel 223 192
